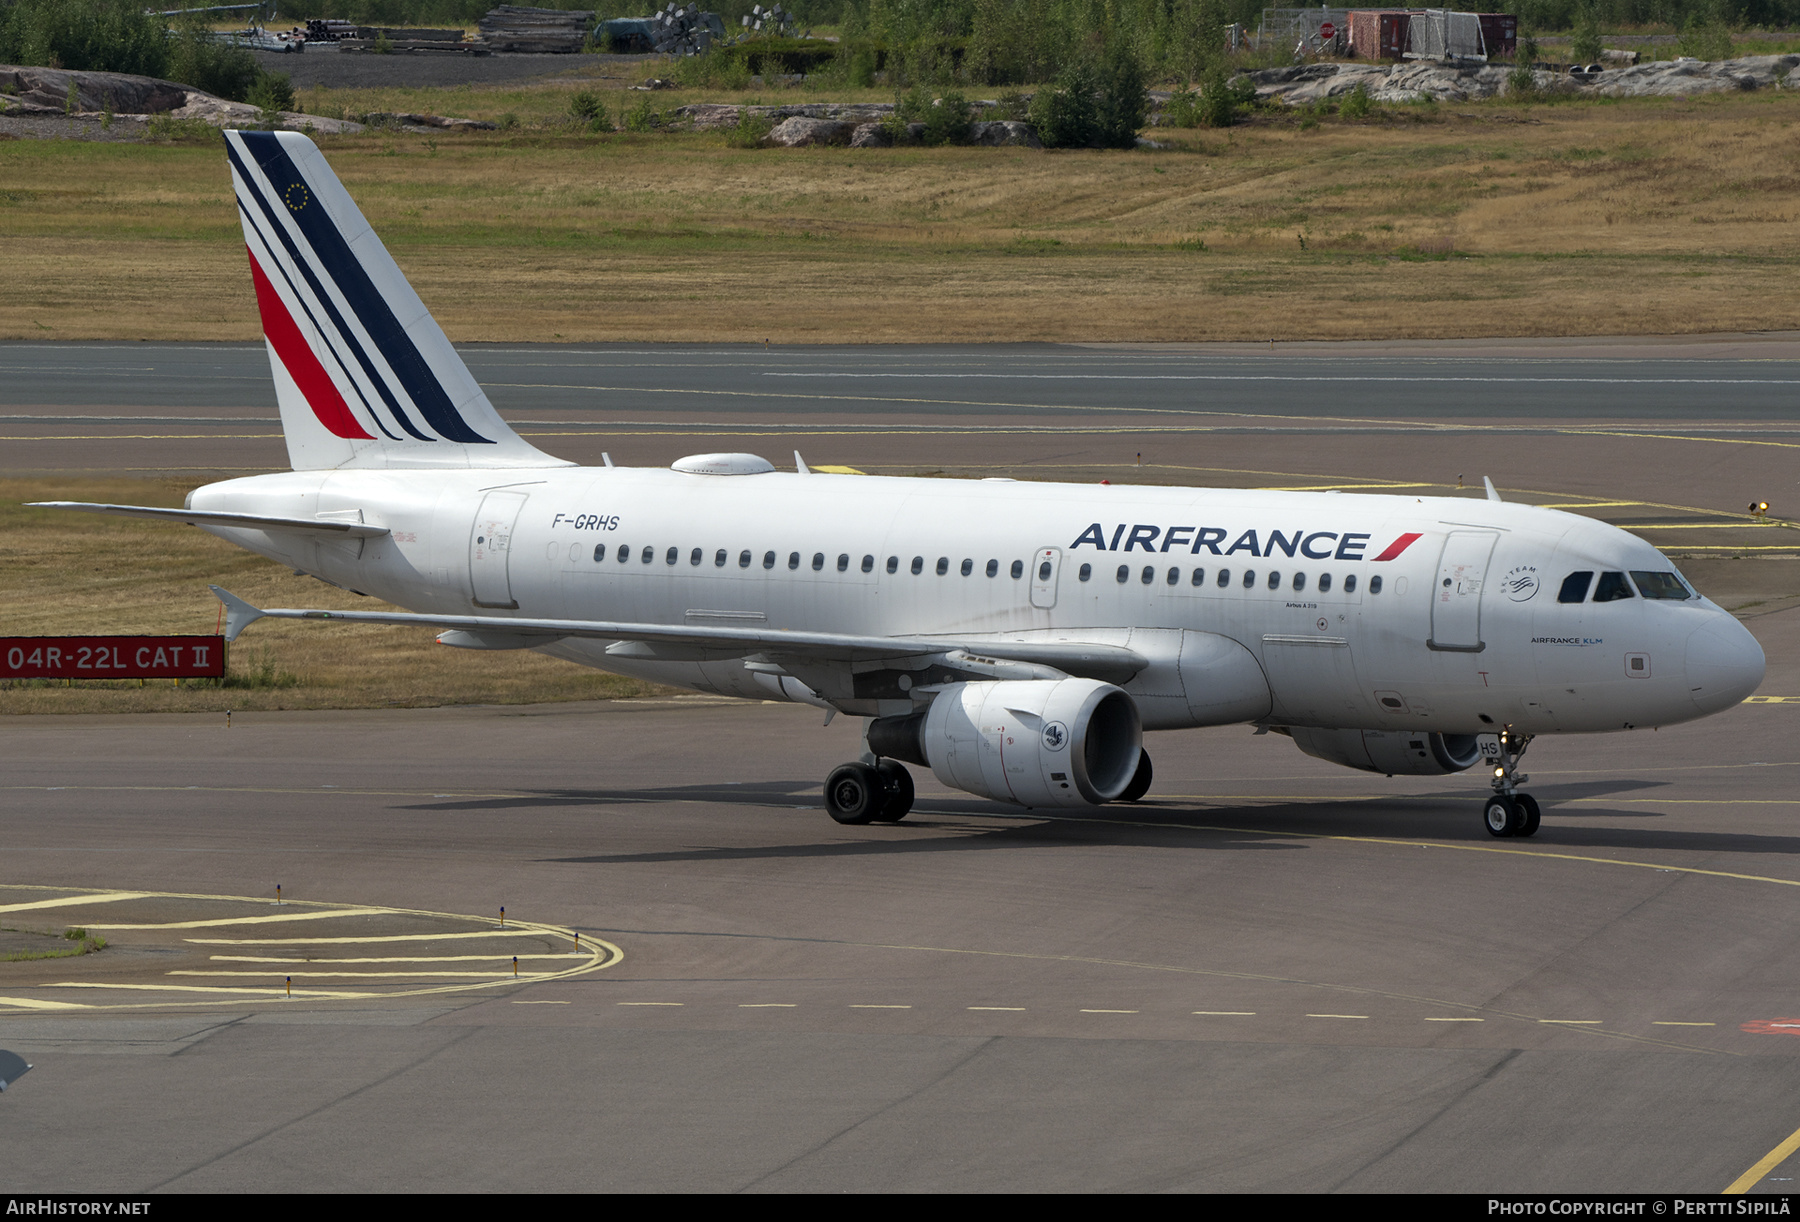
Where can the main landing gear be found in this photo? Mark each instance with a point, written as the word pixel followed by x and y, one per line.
pixel 869 793
pixel 1509 812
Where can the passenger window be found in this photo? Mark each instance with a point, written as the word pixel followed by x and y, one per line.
pixel 624 553
pixel 1350 584
pixel 943 565
pixel 893 565
pixel 1249 579
pixel 1044 571
pixel 918 565
pixel 1087 571
pixel 1224 578
pixel 1174 576
pixel 674 554
pixel 1660 585
pixel 993 568
pixel 1324 583
pixel 694 558
pixel 1124 573
pixel 649 554
pixel 1374 584
pixel 599 552
pixel 793 560
pixel 768 560
pixel 1575 587
pixel 868 564
pixel 968 566
pixel 1148 575
pixel 818 562
pixel 1199 576
pixel 1274 581
pixel 1018 569
pixel 843 562
pixel 1611 588
pixel 743 560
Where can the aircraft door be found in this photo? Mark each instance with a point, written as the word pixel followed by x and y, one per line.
pixel 1456 597
pixel 490 547
pixel 1044 568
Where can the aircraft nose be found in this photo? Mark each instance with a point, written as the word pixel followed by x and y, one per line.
pixel 1724 664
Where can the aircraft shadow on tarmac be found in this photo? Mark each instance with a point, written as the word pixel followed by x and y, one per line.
pixel 1449 814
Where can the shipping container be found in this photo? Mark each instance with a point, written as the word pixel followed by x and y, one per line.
pixel 1378 33
pixel 1500 31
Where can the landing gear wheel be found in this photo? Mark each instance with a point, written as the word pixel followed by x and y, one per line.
pixel 854 793
pixel 1532 815
pixel 897 785
pixel 1140 780
pixel 1502 816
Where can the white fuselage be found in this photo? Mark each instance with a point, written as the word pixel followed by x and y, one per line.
pixel 1458 630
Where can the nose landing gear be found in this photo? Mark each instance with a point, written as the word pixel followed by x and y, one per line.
pixel 1509 812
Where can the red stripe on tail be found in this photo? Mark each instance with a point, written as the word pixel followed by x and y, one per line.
pixel 1397 546
pixel 302 364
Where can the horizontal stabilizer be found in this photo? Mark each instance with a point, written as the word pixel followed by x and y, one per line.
pixel 1114 663
pixel 192 517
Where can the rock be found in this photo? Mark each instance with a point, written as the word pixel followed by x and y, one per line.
pixel 414 121
pixel 870 136
pixel 40 90
pixel 799 132
pixel 1002 132
pixel 1418 80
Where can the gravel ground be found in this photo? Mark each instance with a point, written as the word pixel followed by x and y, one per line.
pixel 59 127
pixel 346 70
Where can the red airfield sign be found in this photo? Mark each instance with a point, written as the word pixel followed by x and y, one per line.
pixel 112 657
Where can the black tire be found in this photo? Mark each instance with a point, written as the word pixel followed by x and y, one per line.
pixel 853 793
pixel 1532 816
pixel 1140 780
pixel 1502 816
pixel 897 784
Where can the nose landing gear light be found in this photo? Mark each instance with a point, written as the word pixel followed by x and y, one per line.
pixel 1509 812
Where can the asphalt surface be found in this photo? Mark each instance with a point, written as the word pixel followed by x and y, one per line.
pixel 1272 975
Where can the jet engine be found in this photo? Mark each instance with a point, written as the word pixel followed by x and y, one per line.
pixel 1394 752
pixel 1037 742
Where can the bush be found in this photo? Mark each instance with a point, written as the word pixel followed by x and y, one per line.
pixel 1357 105
pixel 1064 115
pixel 272 91
pixel 1221 97
pixel 84 36
pixel 1122 103
pixel 1706 37
pixel 587 108
pixel 212 67
pixel 1183 109
pixel 948 121
pixel 642 117
pixel 1584 47
pixel 750 130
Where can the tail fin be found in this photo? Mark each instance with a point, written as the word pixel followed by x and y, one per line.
pixel 363 374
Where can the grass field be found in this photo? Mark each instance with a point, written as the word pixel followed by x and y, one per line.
pixel 1645 216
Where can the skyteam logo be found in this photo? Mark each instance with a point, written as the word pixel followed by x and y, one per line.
pixel 1056 736
pixel 1520 583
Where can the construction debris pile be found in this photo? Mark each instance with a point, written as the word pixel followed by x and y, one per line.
pixel 685 31
pixel 1422 80
pixel 536 31
pixel 776 21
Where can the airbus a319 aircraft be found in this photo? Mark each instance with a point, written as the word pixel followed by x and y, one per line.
pixel 1017 639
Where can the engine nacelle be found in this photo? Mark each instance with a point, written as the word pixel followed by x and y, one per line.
pixel 1036 742
pixel 1394 752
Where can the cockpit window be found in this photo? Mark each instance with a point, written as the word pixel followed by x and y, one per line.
pixel 1660 585
pixel 1611 587
pixel 1575 587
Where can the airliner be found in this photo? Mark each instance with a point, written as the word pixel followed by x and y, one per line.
pixel 1018 639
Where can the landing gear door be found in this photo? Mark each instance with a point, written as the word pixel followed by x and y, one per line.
pixel 490 548
pixel 1456 597
pixel 1044 567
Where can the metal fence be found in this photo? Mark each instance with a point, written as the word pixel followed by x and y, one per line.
pixel 1305 27
pixel 1440 34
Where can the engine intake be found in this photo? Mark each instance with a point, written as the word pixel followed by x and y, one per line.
pixel 1039 742
pixel 1394 752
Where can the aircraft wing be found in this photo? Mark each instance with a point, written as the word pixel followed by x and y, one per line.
pixel 1113 663
pixel 254 521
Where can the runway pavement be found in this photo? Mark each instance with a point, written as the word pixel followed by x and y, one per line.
pixel 1273 975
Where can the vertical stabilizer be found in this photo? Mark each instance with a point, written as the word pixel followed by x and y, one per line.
pixel 363 374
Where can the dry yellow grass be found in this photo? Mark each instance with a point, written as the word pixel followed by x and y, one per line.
pixel 64 573
pixel 1647 216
